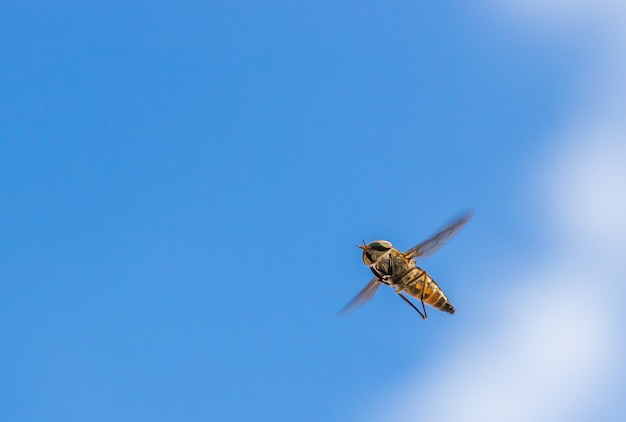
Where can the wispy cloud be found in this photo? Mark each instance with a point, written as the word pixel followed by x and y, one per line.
pixel 553 355
pixel 586 195
pixel 545 361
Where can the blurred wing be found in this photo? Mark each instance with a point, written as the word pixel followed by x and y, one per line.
pixel 362 298
pixel 431 245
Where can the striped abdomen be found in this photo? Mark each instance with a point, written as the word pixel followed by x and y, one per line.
pixel 414 281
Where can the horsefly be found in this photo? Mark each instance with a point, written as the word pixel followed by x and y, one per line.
pixel 398 270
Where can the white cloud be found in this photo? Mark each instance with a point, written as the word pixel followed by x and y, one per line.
pixel 563 15
pixel 587 193
pixel 545 361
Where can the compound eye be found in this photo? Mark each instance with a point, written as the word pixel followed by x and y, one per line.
pixel 380 245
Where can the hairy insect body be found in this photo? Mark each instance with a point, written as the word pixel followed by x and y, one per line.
pixel 395 269
pixel 398 270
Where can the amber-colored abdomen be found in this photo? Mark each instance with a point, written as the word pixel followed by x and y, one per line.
pixel 433 295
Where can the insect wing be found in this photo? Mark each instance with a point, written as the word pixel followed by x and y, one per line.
pixel 431 245
pixel 362 298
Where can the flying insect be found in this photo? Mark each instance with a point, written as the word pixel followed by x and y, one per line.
pixel 398 270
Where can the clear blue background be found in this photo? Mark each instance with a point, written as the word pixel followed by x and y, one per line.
pixel 182 186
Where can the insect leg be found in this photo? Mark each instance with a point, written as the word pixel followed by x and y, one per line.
pixel 425 316
pixel 412 306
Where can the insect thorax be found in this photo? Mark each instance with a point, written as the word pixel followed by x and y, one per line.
pixel 391 265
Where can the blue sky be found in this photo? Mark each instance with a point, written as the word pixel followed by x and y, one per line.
pixel 183 185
